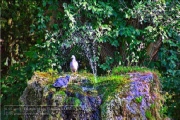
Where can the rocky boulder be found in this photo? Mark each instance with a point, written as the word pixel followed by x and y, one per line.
pixel 131 96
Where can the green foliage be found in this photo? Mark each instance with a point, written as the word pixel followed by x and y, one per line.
pixel 107 65
pixel 149 115
pixel 164 110
pixel 72 100
pixel 139 99
pixel 60 92
pixel 77 102
pixel 44 34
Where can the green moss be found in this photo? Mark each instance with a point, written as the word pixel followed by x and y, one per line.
pixel 106 85
pixel 51 75
pixel 74 88
pixel 72 101
pixel 88 76
pixel 129 69
pixel 77 102
pixel 109 86
pixel 149 115
pixel 60 92
pixel 152 106
pixel 118 78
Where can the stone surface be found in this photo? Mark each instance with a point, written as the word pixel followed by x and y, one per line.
pixel 81 99
pixel 138 101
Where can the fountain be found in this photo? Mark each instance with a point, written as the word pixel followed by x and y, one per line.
pixel 86 37
pixel 89 47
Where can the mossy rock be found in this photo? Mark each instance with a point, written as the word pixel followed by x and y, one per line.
pixel 126 92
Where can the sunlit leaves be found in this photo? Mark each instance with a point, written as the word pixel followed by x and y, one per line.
pixel 107 65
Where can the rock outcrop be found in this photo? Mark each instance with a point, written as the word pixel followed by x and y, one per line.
pixel 132 96
pixel 141 102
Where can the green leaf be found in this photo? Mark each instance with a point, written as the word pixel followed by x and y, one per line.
pixel 44 3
